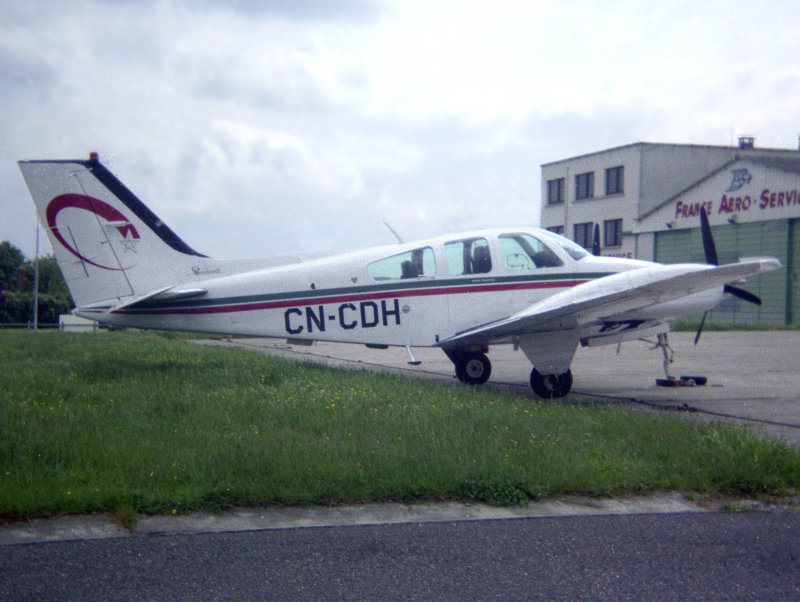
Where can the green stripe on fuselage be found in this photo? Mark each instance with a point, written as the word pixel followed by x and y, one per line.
pixel 394 285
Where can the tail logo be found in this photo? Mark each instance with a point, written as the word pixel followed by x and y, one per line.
pixel 99 208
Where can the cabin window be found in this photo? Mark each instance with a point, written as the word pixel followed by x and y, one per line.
pixel 468 256
pixel 412 264
pixel 525 252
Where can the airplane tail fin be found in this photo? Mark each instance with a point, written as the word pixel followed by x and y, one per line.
pixel 107 243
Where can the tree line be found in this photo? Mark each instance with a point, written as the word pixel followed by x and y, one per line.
pixel 16 288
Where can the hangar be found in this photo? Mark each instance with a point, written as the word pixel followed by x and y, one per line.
pixel 646 199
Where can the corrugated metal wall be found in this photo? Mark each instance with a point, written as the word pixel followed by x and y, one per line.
pixel 778 238
pixel 793 273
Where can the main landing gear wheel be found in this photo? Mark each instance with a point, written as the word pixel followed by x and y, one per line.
pixel 473 368
pixel 551 386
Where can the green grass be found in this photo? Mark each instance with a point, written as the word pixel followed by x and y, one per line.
pixel 135 422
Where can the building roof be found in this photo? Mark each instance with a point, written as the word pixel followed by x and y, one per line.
pixel 732 148
pixel 788 164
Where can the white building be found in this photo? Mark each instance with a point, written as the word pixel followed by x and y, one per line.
pixel 647 197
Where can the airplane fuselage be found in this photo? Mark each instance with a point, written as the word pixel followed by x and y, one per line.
pixel 343 298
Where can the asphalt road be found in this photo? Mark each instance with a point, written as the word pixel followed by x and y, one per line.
pixel 666 556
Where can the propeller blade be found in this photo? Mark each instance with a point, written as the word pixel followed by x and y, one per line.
pixel 700 328
pixel 596 241
pixel 708 241
pixel 742 294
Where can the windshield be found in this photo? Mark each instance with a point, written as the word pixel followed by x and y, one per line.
pixel 525 252
pixel 572 248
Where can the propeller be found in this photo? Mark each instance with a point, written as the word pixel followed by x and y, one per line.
pixel 596 241
pixel 709 247
pixel 700 328
pixel 710 250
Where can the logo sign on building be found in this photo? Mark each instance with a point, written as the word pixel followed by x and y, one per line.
pixel 769 202
pixel 740 177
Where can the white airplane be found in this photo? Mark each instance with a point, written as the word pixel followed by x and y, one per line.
pixel 463 292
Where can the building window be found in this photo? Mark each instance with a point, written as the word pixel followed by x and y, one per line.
pixel 615 178
pixel 584 186
pixel 612 233
pixel 557 229
pixel 583 234
pixel 555 191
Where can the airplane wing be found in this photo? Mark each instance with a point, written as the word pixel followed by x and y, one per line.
pixel 622 297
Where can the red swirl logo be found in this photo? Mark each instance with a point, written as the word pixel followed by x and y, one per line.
pixel 92 205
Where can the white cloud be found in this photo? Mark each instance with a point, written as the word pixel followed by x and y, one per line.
pixel 264 127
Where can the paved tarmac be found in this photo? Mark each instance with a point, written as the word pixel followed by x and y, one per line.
pixel 753 377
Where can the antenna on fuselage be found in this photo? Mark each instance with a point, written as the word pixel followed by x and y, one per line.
pixel 393 231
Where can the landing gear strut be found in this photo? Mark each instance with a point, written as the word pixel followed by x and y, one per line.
pixel 472 367
pixel 669 356
pixel 551 386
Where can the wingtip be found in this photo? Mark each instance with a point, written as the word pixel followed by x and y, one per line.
pixel 764 264
pixel 770 263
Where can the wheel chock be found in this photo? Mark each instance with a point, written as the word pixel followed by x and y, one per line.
pixel 683 381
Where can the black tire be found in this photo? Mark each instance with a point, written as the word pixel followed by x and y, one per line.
pixel 551 386
pixel 473 368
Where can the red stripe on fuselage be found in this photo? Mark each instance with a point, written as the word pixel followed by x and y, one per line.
pixel 345 297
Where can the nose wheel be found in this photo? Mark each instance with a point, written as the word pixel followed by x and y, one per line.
pixel 669 355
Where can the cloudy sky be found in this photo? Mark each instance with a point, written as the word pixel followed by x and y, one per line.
pixel 261 127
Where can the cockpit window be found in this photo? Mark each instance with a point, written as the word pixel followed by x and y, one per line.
pixel 468 256
pixel 525 252
pixel 412 264
pixel 573 249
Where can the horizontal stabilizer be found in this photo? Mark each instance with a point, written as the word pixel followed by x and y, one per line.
pixel 165 294
pixel 169 293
